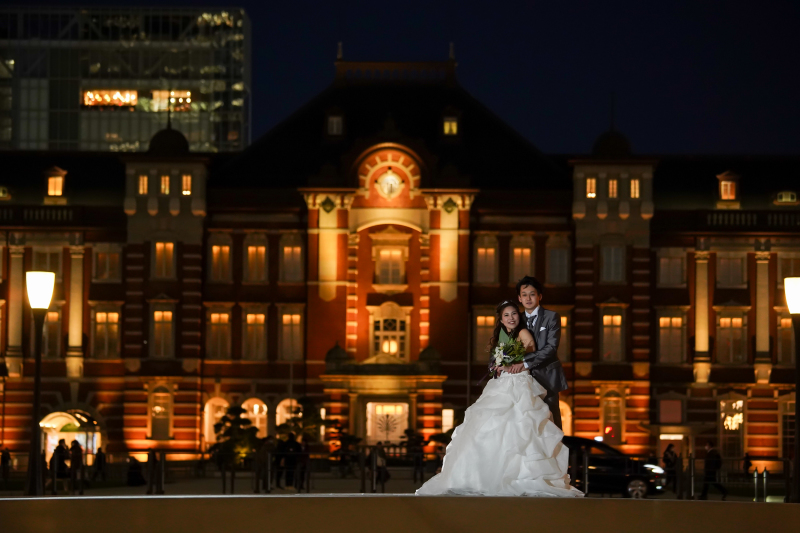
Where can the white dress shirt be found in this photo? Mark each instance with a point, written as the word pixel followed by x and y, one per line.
pixel 528 321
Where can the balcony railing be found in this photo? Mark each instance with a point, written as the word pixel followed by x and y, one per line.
pixel 24 215
pixel 714 221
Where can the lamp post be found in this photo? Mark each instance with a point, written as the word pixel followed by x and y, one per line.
pixel 792 288
pixel 40 292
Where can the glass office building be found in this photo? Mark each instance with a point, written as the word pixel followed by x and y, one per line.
pixel 105 79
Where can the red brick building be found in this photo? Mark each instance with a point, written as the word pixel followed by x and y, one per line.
pixel 354 256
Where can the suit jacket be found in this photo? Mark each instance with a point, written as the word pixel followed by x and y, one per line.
pixel 543 363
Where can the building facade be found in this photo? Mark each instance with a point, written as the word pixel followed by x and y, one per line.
pixel 354 257
pixel 103 79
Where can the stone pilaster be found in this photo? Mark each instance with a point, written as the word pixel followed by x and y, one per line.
pixel 763 360
pixel 702 357
pixel 75 336
pixel 16 289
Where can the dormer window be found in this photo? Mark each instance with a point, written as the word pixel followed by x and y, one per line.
pixel 786 198
pixel 634 188
pixel 165 185
pixel 451 125
pixel 612 188
pixel 591 188
pixel 55 186
pixel 335 125
pixel 143 185
pixel 727 190
pixel 187 184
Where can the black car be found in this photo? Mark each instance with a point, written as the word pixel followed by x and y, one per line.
pixel 611 471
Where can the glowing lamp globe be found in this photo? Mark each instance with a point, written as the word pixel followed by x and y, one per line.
pixel 40 288
pixel 792 288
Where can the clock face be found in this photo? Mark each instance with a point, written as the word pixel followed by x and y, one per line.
pixel 390 184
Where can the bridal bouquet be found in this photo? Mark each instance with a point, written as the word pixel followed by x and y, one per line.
pixel 507 354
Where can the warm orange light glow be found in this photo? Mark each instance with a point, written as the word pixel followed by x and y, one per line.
pixel 187 184
pixel 634 188
pixel 112 97
pixel 291 319
pixel 165 185
pixel 727 190
pixel 451 126
pixel 591 187
pixel 563 321
pixel 612 320
pixel 612 188
pixel 143 184
pixel 55 186
pixel 257 318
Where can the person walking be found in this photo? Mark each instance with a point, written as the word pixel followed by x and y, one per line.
pixel 713 464
pixel 76 466
pixel 99 465
pixel 670 460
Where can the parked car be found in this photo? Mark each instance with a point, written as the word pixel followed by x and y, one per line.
pixel 611 471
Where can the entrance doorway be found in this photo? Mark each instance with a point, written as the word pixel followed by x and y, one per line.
pixel 386 422
pixel 71 425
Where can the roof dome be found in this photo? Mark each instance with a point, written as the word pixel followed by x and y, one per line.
pixel 430 354
pixel 337 354
pixel 611 144
pixel 168 142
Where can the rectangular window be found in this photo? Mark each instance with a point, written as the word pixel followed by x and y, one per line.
pixel 727 190
pixel 143 184
pixel 335 124
pixel 613 417
pixel 671 271
pixel 291 337
pixel 785 341
pixel 48 261
pixel 558 268
pixel 164 260
pixel 219 334
pixel 521 265
pixel 671 339
pixel 612 337
pixel 451 126
pixel 634 188
pixel 165 185
pixel 55 186
pixel 731 428
pixel 591 188
pixel 186 182
pixel 255 337
pixel 613 264
pixel 389 267
pixel 564 353
pixel 256 263
pixel 160 415
pixel 162 334
pixel 484 327
pixel 485 271
pixel 730 271
pixel 106 335
pixel 51 335
pixel 106 264
pixel 731 335
pixel 612 188
pixel 292 270
pixel 220 263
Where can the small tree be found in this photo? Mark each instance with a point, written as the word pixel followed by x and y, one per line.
pixel 305 421
pixel 236 437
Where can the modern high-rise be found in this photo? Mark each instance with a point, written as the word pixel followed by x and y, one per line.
pixel 106 78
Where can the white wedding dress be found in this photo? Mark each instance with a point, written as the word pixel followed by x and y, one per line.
pixel 506 446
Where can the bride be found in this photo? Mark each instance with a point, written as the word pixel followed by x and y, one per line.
pixel 507 444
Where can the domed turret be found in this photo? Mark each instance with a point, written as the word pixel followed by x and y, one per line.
pixel 611 144
pixel 168 142
pixel 336 357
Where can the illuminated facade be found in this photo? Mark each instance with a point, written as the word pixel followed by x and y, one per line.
pixel 102 79
pixel 354 256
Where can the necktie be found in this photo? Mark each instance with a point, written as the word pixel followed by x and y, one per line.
pixel 531 322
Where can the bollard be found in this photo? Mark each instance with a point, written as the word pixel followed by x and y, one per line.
pixel 766 479
pixel 755 483
pixel 586 472
pixel 374 468
pixel 691 477
pixel 268 481
pixel 679 477
pixel 162 467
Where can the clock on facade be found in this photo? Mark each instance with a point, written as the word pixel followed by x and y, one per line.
pixel 390 184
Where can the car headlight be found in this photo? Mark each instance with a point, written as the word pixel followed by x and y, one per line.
pixel 655 469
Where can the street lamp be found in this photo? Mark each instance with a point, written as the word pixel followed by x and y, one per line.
pixel 40 292
pixel 792 288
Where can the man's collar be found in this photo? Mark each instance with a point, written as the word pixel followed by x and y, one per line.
pixel 535 311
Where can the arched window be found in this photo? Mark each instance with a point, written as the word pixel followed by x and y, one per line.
pixel 256 412
pixel 389 326
pixel 287 409
pixel 612 418
pixel 214 411
pixel 566 417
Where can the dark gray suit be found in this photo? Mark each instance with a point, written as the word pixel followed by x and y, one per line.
pixel 543 363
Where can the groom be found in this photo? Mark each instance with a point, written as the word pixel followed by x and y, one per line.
pixel 545 326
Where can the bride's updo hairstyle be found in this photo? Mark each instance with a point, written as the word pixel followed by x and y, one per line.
pixel 498 324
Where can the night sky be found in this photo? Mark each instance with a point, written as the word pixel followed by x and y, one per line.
pixel 689 76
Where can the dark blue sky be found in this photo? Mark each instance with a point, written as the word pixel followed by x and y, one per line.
pixel 689 76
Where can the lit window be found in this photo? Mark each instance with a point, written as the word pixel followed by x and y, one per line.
pixel 213 412
pixel 55 186
pixel 786 197
pixel 613 264
pixel 286 410
pixel 164 185
pixel 162 333
pixel 389 267
pixel 255 345
pixel 110 98
pixel 163 259
pixel 175 100
pixel 731 428
pixel 591 187
pixel 256 412
pixel 727 190
pixel 143 184
pixel 564 347
pixel 187 184
pixel 522 263
pixel 731 336
pixel 484 327
pixel 220 263
pixel 671 335
pixel 335 125
pixel 634 188
pixel 785 341
pixel 451 126
pixel 612 337
pixel 448 420
pixel 612 188
pixel 485 268
pixel 291 337
pixel 256 263
pixel 218 336
pixel 292 258
pixel 106 335
pixel 160 414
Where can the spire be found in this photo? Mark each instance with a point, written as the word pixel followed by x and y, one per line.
pixel 452 51
pixel 339 51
